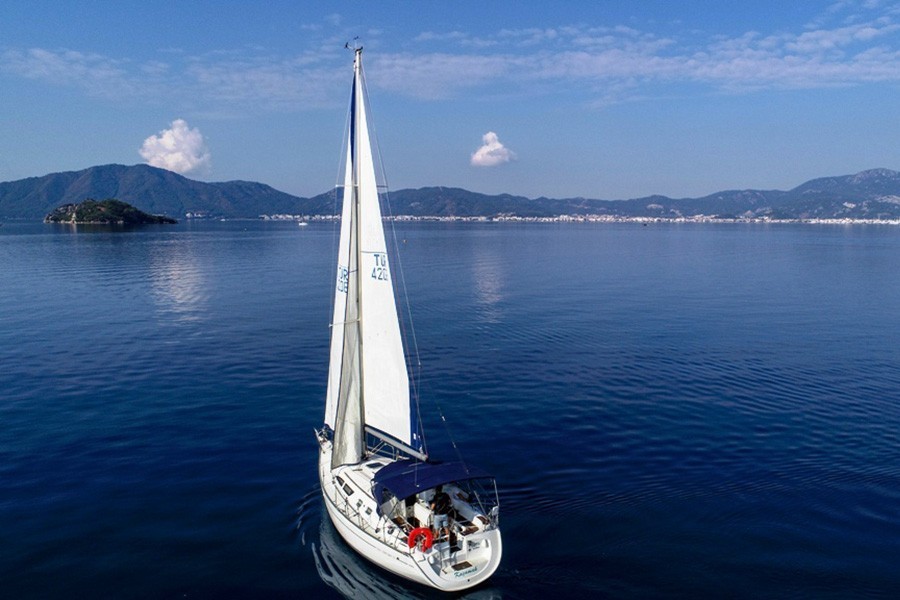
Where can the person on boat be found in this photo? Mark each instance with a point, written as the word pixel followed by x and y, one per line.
pixel 440 506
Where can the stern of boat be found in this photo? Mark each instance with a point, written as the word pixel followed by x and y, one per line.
pixel 465 565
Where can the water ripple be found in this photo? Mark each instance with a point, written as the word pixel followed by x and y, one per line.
pixel 690 411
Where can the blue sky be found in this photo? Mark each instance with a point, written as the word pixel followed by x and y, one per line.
pixel 595 99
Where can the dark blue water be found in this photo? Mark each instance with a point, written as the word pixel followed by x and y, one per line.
pixel 671 410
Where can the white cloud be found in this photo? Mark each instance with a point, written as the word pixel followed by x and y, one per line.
pixel 492 152
pixel 179 149
pixel 438 75
pixel 257 82
pixel 852 43
pixel 97 74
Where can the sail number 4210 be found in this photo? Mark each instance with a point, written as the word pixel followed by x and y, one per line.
pixel 380 270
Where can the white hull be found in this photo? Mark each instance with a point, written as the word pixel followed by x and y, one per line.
pixel 385 545
pixel 369 411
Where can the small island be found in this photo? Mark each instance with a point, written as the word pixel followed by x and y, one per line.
pixel 104 212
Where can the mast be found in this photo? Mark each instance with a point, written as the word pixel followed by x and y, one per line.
pixel 358 108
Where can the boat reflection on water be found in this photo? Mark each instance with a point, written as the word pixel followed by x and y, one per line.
pixel 353 577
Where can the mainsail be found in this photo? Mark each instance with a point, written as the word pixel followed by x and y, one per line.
pixel 368 384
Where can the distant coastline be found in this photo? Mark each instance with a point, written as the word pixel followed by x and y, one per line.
pixel 595 219
pixel 871 196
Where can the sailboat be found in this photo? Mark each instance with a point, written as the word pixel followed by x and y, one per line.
pixel 432 522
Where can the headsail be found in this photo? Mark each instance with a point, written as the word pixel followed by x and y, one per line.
pixel 368 384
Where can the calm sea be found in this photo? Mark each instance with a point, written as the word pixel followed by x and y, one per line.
pixel 671 410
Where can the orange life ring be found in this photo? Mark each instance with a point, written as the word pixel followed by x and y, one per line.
pixel 416 537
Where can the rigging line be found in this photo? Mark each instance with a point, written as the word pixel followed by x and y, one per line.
pixel 350 322
pixel 449 433
pixel 417 379
pixel 417 375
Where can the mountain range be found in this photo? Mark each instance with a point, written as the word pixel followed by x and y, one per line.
pixel 872 194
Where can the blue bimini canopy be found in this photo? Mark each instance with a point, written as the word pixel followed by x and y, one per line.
pixel 406 477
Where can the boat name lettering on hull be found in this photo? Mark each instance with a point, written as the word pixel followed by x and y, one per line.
pixel 466 572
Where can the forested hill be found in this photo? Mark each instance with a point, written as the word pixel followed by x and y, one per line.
pixel 152 190
pixel 104 212
pixel 872 194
